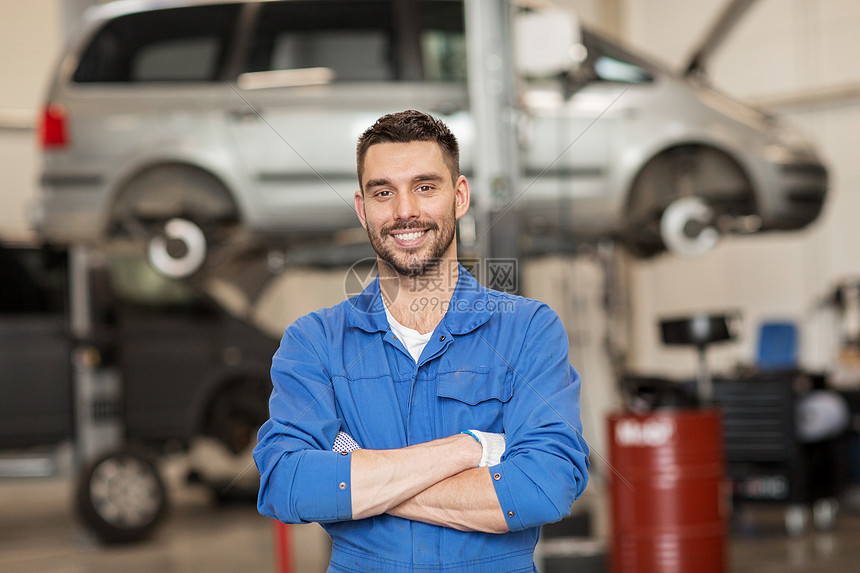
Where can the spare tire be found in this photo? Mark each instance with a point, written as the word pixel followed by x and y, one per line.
pixel 121 497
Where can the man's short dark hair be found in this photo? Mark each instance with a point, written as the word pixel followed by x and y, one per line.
pixel 406 127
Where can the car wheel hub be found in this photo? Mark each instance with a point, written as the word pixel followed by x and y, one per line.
pixel 125 493
pixel 179 250
pixel 686 227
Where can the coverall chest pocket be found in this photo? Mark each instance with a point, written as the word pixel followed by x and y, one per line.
pixel 473 399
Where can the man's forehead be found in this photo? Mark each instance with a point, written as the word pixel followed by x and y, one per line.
pixel 411 148
pixel 390 159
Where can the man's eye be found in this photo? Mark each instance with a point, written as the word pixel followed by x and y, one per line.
pixel 382 193
pixel 425 188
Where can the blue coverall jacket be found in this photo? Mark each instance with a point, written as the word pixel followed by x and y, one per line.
pixel 496 363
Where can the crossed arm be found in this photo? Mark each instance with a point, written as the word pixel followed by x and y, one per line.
pixel 438 482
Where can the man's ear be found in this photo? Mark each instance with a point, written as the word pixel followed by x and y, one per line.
pixel 462 196
pixel 358 201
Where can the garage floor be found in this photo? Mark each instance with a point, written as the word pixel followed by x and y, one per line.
pixel 39 535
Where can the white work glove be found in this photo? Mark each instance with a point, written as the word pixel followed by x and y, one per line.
pixel 343 442
pixel 493 446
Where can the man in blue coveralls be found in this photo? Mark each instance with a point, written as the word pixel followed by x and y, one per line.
pixel 429 423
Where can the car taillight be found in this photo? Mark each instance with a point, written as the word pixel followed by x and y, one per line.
pixel 53 131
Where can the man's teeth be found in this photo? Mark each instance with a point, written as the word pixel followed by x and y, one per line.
pixel 410 236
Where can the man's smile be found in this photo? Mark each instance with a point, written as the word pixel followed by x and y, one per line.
pixel 408 238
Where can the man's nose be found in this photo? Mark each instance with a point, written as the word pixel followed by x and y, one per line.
pixel 406 207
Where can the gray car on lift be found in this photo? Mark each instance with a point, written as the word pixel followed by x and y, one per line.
pixel 189 374
pixel 181 124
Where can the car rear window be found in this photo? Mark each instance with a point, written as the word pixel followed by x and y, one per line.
pixel 353 40
pixel 443 41
pixel 176 45
pixel 612 63
pixel 361 41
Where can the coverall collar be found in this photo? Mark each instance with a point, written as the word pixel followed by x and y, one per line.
pixel 467 310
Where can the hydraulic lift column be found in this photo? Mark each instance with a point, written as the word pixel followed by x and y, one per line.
pixel 97 386
pixel 492 231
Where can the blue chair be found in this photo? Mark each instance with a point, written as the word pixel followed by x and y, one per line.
pixel 777 346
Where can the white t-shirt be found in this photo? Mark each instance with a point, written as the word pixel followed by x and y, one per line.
pixel 413 340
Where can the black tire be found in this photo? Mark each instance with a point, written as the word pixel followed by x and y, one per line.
pixel 237 411
pixel 232 419
pixel 121 497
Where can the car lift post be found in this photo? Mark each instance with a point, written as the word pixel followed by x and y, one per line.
pixel 495 226
pixel 97 388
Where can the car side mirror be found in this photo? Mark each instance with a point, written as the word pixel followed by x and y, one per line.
pixel 547 42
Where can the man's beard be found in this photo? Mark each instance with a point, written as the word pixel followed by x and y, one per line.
pixel 411 264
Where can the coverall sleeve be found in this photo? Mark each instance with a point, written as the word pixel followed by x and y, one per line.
pixel 301 479
pixel 545 465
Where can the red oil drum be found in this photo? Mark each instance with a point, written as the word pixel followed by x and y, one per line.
pixel 667 492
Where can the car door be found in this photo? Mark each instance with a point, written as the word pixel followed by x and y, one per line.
pixel 35 368
pixel 567 158
pixel 316 75
pixel 578 134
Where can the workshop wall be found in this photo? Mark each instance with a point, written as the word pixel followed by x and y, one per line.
pixel 31 34
pixel 794 58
